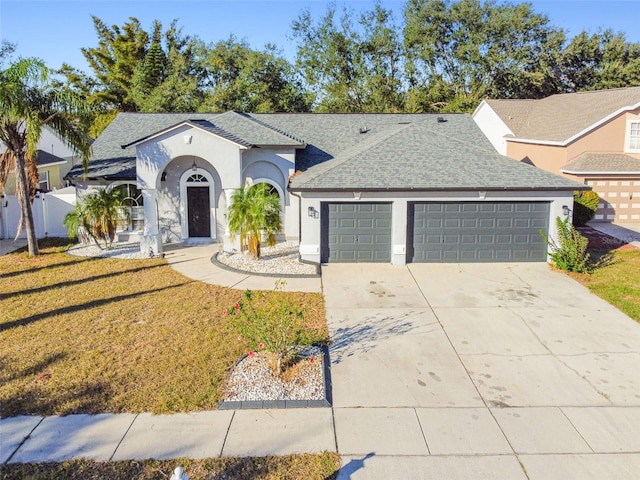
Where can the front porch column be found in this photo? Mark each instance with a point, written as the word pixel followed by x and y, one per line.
pixel 229 245
pixel 150 235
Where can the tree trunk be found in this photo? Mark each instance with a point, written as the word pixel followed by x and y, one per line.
pixel 22 187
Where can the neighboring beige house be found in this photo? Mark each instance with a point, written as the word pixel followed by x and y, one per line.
pixel 590 137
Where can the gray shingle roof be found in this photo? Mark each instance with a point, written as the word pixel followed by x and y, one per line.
pixel 558 118
pixel 110 169
pixel 109 158
pixel 603 163
pixel 346 151
pixel 45 158
pixel 427 155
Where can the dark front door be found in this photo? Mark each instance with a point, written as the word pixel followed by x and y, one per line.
pixel 198 210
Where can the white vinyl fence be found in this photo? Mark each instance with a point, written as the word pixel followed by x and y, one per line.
pixel 49 210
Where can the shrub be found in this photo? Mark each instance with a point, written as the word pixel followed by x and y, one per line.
pixel 254 212
pixel 97 217
pixel 276 326
pixel 570 252
pixel 585 205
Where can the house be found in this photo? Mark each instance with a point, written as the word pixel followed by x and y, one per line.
pixel 591 137
pixel 391 188
pixel 54 160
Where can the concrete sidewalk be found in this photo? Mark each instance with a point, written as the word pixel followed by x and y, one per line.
pixel 8 246
pixel 195 262
pixel 627 232
pixel 194 435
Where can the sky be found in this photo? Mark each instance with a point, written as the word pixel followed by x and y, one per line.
pixel 56 30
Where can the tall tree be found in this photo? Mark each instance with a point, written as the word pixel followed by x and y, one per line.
pixel 171 78
pixel 114 62
pixel 27 104
pixel 351 66
pixel 599 61
pixel 240 78
pixel 6 51
pixel 134 70
pixel 460 51
pixel 152 70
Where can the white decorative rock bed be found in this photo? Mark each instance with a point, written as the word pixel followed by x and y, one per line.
pixel 252 383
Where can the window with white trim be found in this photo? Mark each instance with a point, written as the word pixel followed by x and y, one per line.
pixel 633 136
pixel 43 186
pixel 132 198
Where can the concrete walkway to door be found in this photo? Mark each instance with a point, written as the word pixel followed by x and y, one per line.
pixel 501 371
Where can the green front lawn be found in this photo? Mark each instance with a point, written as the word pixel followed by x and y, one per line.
pixel 85 335
pixel 618 282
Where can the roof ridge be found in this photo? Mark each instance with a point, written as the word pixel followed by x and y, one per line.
pixel 266 125
pixel 215 129
pixel 337 161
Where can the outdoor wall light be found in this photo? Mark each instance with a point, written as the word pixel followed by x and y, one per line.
pixel 357 195
pixel 194 167
pixel 482 195
pixel 566 210
pixel 187 139
pixel 312 212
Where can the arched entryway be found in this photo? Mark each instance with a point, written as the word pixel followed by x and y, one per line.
pixel 197 201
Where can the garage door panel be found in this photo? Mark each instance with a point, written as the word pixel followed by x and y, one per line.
pixel 356 232
pixel 478 231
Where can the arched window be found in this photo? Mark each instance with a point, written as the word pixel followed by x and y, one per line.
pixel 197 178
pixel 132 198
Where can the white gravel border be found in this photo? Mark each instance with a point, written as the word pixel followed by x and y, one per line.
pixel 129 251
pixel 281 259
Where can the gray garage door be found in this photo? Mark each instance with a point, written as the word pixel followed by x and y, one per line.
pixel 478 232
pixel 356 232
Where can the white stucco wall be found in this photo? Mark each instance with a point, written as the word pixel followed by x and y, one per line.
pixel 492 126
pixel 310 243
pixel 171 155
pixel 275 166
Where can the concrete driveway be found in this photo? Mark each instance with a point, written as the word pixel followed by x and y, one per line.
pixel 480 371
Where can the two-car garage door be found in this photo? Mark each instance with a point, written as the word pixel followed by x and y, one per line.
pixel 437 231
pixel 478 232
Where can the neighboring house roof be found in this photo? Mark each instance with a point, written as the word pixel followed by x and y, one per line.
pixel 603 163
pixel 560 119
pixel 46 159
pixel 345 151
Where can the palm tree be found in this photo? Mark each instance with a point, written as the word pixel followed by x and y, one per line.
pixel 97 216
pixel 254 211
pixel 27 104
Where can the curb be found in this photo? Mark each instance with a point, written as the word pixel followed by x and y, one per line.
pixel 272 404
pixel 218 263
